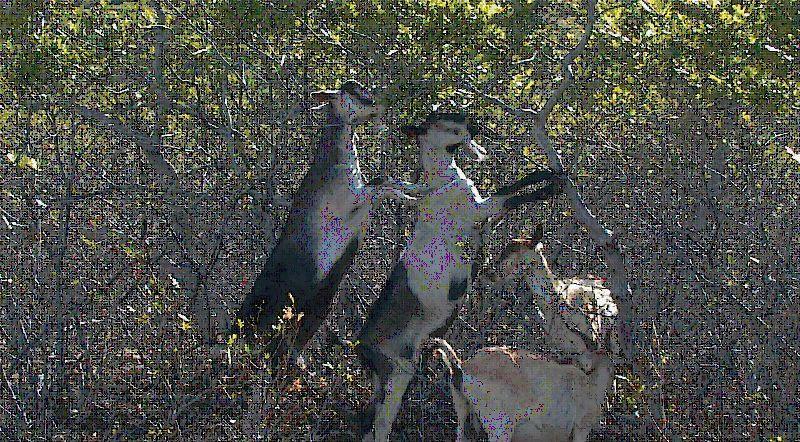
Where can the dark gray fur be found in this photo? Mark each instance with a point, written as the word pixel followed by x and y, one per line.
pixel 291 266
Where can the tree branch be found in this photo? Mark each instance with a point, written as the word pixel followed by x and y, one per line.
pixel 520 112
pixel 603 237
pixel 152 153
pixel 566 64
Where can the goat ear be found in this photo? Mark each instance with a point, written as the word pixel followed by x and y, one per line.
pixel 324 96
pixel 412 131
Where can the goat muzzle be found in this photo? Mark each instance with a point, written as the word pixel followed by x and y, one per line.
pixel 477 150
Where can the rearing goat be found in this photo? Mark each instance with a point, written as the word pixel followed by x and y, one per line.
pixel 327 221
pixel 425 289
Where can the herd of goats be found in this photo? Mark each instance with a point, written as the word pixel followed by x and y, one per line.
pixel 500 393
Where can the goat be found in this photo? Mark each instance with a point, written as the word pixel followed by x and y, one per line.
pixel 426 286
pixel 325 226
pixel 506 394
pixel 514 394
pixel 580 316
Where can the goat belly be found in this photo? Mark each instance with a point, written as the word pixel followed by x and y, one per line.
pixel 332 229
pixel 315 304
pixel 288 270
pixel 392 312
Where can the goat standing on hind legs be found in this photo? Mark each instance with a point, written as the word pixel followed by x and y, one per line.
pixel 326 224
pixel 427 285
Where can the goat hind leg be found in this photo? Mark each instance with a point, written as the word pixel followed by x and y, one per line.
pixel 386 409
pixel 580 434
pixel 462 411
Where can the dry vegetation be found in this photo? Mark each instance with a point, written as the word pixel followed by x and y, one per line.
pixel 117 281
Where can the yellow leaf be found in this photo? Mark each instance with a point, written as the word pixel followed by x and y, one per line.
pixel 31 162
pixel 89 242
pixel 297 385
pixel 185 325
pixel 149 14
pixel 746 117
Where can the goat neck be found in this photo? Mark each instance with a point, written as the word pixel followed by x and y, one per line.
pixel 337 146
pixel 438 168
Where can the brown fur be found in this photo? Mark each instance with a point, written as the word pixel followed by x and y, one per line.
pixel 520 395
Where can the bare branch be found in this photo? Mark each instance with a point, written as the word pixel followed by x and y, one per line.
pixel 603 237
pixel 566 64
pixel 520 112
pixel 228 133
pixel 114 124
pixel 152 153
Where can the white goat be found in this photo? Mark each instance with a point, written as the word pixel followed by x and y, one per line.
pixel 427 285
pixel 580 316
pixel 509 394
pixel 514 394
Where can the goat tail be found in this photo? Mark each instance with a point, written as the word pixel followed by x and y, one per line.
pixel 451 360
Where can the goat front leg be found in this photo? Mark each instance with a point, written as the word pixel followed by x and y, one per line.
pixel 405 186
pixel 397 190
pixel 497 205
pixel 542 194
pixel 505 199
pixel 370 195
pixel 528 180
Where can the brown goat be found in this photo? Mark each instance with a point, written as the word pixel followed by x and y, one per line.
pixel 514 394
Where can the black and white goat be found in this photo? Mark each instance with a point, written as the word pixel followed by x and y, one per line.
pixel 424 291
pixel 509 394
pixel 328 218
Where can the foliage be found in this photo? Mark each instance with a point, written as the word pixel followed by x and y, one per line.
pixel 686 110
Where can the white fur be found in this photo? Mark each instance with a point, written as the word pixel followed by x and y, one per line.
pixel 434 256
pixel 521 396
pixel 341 211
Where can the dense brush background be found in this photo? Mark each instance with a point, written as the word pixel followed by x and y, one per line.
pixel 148 149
